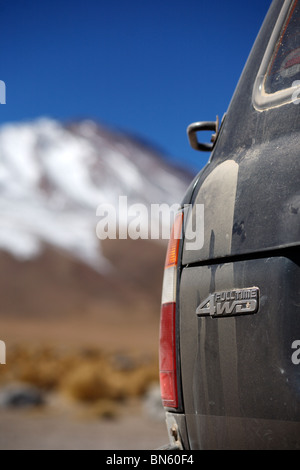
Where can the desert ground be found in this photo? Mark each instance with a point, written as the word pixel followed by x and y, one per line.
pixel 95 380
pixel 64 427
pixel 87 343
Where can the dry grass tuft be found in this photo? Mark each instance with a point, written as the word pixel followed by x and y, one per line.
pixel 86 375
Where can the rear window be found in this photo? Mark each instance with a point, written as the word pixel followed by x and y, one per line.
pixel 278 80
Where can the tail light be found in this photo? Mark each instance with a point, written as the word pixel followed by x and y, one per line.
pixel 167 340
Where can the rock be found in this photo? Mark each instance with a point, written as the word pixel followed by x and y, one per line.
pixel 20 395
pixel 124 363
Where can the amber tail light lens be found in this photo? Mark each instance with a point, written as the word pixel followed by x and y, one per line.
pixel 167 340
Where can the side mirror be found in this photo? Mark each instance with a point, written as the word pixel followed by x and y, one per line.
pixel 203 126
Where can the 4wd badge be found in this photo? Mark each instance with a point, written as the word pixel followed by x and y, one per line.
pixel 230 302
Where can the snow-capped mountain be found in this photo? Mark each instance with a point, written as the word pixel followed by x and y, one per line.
pixel 53 177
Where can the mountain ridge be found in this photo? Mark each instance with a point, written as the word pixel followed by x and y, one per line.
pixel 53 177
pixel 58 281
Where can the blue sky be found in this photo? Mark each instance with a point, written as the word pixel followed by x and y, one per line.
pixel 147 67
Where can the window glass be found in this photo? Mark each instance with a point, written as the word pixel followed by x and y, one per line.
pixel 278 78
pixel 285 63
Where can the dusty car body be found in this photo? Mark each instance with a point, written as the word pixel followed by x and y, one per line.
pixel 230 319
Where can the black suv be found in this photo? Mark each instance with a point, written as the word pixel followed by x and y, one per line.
pixel 230 318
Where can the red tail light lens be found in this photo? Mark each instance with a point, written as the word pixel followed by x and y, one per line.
pixel 167 361
pixel 167 349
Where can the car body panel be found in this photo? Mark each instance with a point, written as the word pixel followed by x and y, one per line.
pixel 238 385
pixel 248 207
pixel 238 369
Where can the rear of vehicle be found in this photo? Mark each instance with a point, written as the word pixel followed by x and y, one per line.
pixel 230 319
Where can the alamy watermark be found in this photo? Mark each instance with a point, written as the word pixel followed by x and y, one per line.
pixel 296 93
pixel 296 354
pixel 139 221
pixel 2 92
pixel 2 352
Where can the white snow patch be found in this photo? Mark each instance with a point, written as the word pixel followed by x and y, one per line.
pixel 52 180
